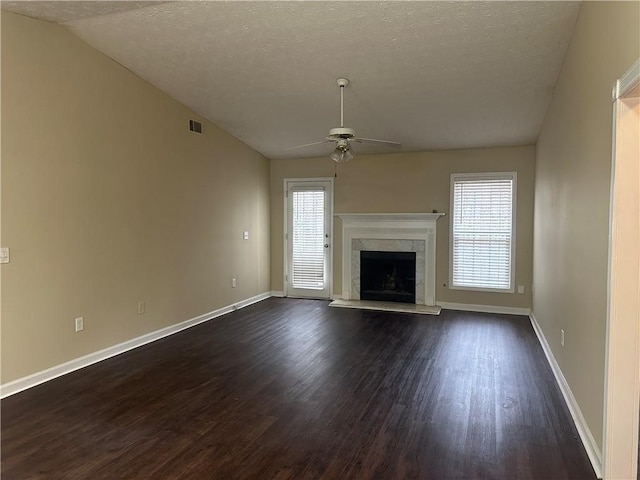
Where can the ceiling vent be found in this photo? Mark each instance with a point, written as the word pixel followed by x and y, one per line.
pixel 195 126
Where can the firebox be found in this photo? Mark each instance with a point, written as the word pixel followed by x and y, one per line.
pixel 388 276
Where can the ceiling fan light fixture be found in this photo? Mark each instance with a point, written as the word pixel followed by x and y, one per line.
pixel 342 153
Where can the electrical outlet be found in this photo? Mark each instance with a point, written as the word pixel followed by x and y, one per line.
pixel 245 235
pixel 79 324
pixel 234 283
pixel 4 255
pixel 562 337
pixel 520 289
pixel 141 308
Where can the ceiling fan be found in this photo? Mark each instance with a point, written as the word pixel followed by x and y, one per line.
pixel 343 136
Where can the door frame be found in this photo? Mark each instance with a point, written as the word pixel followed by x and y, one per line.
pixel 285 241
pixel 622 368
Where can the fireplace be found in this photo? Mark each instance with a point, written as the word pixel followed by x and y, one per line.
pixel 388 276
pixel 391 233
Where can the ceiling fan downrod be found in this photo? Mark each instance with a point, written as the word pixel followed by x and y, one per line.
pixel 342 82
pixel 342 132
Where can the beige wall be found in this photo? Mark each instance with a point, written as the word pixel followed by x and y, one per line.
pixel 412 182
pixel 108 199
pixel 573 168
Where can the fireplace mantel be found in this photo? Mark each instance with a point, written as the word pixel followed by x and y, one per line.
pixel 395 218
pixel 390 232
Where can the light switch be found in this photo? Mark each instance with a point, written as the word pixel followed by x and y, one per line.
pixel 4 255
pixel 245 235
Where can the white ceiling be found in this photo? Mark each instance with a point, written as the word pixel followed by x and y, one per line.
pixel 431 75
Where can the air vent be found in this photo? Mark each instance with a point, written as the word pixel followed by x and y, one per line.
pixel 195 126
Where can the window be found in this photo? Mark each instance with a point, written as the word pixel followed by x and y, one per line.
pixel 482 235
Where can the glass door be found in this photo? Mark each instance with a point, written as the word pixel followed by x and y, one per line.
pixel 308 238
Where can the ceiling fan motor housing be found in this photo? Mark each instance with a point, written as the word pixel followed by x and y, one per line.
pixel 341 132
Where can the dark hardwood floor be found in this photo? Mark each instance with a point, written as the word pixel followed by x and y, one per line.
pixel 294 389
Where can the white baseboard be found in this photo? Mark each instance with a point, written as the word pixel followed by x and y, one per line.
pixel 588 441
pixel 468 307
pixel 278 293
pixel 24 383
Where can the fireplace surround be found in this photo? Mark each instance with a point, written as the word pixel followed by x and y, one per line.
pixel 390 232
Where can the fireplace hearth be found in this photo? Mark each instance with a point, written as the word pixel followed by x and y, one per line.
pixel 388 276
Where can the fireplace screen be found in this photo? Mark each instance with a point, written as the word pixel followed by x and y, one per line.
pixel 388 276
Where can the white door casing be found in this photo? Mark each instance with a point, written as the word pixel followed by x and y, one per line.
pixel 622 378
pixel 308 235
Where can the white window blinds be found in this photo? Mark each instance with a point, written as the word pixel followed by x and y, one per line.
pixel 308 239
pixel 482 231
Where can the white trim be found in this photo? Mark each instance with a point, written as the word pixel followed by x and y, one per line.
pixel 627 82
pixel 410 219
pixel 469 307
pixel 390 226
pixel 622 354
pixel 513 176
pixel 287 182
pixel 281 294
pixel 586 436
pixel 24 383
pixel 608 375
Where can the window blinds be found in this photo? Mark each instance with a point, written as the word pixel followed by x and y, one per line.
pixel 482 233
pixel 308 239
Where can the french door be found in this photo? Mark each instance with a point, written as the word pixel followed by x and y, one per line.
pixel 308 229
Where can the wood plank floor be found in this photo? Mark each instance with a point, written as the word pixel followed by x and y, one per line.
pixel 293 389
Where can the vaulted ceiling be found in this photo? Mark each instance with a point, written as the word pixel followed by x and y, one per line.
pixel 431 75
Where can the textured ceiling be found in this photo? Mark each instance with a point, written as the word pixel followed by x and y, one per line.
pixel 61 11
pixel 431 75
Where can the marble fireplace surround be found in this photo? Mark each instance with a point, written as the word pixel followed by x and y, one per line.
pixel 390 232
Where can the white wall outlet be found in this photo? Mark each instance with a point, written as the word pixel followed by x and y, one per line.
pixel 234 283
pixel 79 324
pixel 141 308
pixel 245 235
pixel 520 289
pixel 562 337
pixel 4 255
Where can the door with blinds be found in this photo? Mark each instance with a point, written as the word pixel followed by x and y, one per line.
pixel 308 238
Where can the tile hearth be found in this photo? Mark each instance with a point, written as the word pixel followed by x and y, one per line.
pixel 387 306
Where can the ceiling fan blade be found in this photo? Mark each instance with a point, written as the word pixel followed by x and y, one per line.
pixel 308 144
pixel 373 140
